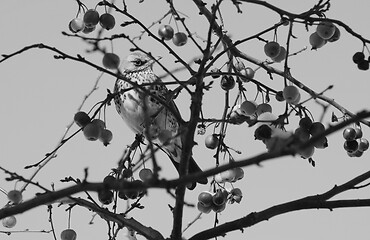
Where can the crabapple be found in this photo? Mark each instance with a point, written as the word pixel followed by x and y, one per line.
pixel 290 93
pixel 9 222
pixel 272 49
pixel 335 36
pixel 105 136
pixel 211 141
pixel 111 61
pixel 305 123
pixel 350 145
pixel 325 30
pixel 91 17
pixel 358 132
pixel 248 107
pixel 145 174
pixel 15 196
pixel 306 152
pixel 100 123
pixel 317 128
pixel 302 134
pixel 165 32
pixel 107 21
pixel 358 57
pixel 219 198
pixel 81 119
pixel 363 65
pixel 316 41
pixel 263 107
pixel 180 39
pixel 227 83
pixel 239 173
pixel 88 29
pixel 263 132
pixel 363 144
pixel 76 25
pixel 228 175
pixel 68 234
pixel 92 131
pixel 205 198
pixel 204 209
pixel 218 208
pixel 105 196
pixel 349 133
pixel 281 56
pixel 321 143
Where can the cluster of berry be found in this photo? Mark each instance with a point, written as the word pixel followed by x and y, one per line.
pixel 216 201
pixel 355 144
pixel 90 19
pixel 166 32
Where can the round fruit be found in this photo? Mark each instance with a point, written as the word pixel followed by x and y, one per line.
pixel 9 222
pixel 68 234
pixel 321 143
pixel 219 198
pixel 15 196
pixel 363 144
pixel 227 83
pixel 76 25
pixel 228 175
pixel 325 30
pixel 111 61
pixel 358 132
pixel 91 17
pixel 248 73
pixel 297 100
pixel 239 173
pixel 211 141
pixel 349 133
pixel 107 21
pixel 350 145
pixel 105 196
pixel 272 49
pixel 302 134
pixel 336 35
pixel 145 174
pixel 165 32
pixel 307 152
pixel 92 131
pixel 263 107
pixel 204 209
pixel 263 132
pixel 290 93
pixel 205 198
pixel 99 123
pixel 305 123
pixel 248 108
pixel 317 128
pixel 363 65
pixel 180 39
pixel 81 119
pixel 358 57
pixel 316 41
pixel 105 136
pixel 281 56
pixel 218 208
pixel 109 180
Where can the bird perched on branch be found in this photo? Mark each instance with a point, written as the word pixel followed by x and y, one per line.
pixel 148 109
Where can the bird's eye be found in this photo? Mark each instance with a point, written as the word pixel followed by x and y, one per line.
pixel 138 62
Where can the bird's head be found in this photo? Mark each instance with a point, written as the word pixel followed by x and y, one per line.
pixel 137 61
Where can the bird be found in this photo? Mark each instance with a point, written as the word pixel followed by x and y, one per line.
pixel 142 109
